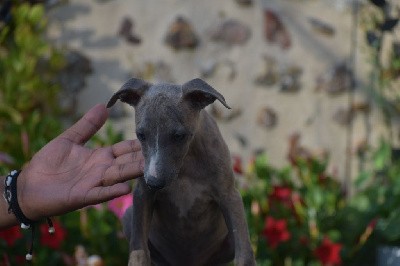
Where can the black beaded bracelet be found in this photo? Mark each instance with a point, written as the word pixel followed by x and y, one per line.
pixel 10 195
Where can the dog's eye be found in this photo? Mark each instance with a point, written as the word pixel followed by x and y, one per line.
pixel 178 136
pixel 141 136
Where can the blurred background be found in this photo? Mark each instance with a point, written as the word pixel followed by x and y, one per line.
pixel 314 87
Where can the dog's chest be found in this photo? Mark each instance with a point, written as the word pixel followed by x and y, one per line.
pixel 187 198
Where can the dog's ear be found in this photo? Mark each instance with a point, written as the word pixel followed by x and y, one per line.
pixel 130 92
pixel 200 94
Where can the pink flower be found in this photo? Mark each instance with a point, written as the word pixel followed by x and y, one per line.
pixel 119 205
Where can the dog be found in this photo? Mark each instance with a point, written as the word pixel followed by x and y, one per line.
pixel 186 208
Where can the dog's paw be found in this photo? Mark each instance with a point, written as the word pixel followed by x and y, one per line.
pixel 139 258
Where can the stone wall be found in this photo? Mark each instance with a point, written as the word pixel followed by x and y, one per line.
pixel 274 61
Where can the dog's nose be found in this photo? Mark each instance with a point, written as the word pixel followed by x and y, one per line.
pixel 155 183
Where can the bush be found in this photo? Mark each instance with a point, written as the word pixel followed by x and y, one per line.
pixel 29 118
pixel 299 215
pixel 29 112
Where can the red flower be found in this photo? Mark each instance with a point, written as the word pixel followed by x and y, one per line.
pixel 11 235
pixel 328 252
pixel 55 240
pixel 237 165
pixel 275 231
pixel 281 193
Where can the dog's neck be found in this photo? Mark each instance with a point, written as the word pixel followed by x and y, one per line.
pixel 202 148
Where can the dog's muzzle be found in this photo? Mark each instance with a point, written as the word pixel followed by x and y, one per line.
pixel 155 183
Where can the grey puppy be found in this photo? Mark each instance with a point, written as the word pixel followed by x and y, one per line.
pixel 186 209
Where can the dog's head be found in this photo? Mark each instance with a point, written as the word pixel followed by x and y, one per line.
pixel 167 118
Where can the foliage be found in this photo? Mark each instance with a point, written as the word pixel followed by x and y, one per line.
pixel 29 118
pixel 377 23
pixel 298 215
pixel 28 94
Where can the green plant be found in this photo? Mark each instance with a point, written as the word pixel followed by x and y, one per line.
pixel 298 215
pixel 29 113
pixel 29 118
pixel 377 23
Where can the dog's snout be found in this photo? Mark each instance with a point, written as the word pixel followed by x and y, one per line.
pixel 155 183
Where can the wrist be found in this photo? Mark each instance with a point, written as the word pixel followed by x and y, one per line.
pixel 6 219
pixel 25 198
pixel 10 188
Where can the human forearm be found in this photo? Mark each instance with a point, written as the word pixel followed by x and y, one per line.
pixel 6 219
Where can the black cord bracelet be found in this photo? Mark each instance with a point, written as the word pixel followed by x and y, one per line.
pixel 11 198
pixel 10 195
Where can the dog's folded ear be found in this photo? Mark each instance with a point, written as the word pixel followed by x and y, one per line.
pixel 201 94
pixel 130 92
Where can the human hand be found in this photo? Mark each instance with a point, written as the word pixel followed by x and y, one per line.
pixel 65 175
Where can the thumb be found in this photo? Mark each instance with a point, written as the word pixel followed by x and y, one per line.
pixel 88 125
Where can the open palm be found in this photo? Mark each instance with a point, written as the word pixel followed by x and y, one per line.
pixel 65 175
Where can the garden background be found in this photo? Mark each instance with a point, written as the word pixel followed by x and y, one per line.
pixel 314 128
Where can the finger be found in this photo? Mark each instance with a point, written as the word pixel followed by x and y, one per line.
pixel 88 125
pixel 122 172
pixel 102 194
pixel 125 146
pixel 129 158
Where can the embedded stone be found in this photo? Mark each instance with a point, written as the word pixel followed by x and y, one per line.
pixel 267 117
pixel 231 32
pixel 290 79
pixel 269 76
pixel 336 81
pixel 244 2
pixel 126 31
pixel 181 35
pixel 275 31
pixel 321 27
pixel 343 116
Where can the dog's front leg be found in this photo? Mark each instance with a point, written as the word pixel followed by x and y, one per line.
pixel 136 222
pixel 232 208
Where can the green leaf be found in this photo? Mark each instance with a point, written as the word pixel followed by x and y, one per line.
pixel 261 167
pixel 334 235
pixel 390 228
pixel 314 197
pixel 36 14
pixel 382 155
pixel 362 178
pixel 21 12
pixel 360 202
pixel 3 33
pixel 8 111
